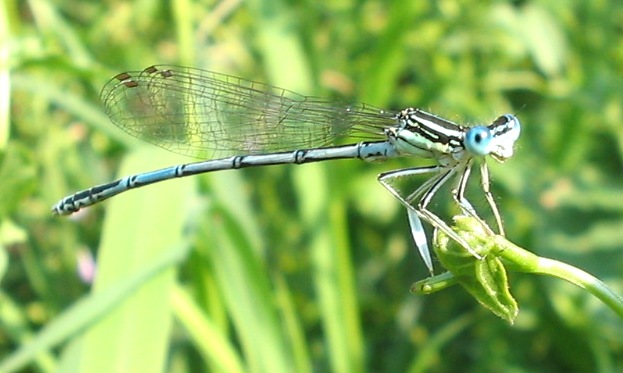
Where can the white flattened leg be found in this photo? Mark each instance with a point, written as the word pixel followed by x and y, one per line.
pixel 419 237
pixel 415 223
pixel 423 195
pixel 434 220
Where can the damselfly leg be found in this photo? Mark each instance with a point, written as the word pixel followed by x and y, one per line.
pixel 418 201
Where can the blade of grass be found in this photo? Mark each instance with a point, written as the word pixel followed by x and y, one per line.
pixel 280 45
pixel 333 275
pixel 236 254
pixel 138 226
pixel 89 310
pixel 211 342
pixel 293 327
pixel 5 79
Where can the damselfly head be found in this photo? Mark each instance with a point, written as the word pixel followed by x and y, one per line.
pixel 505 130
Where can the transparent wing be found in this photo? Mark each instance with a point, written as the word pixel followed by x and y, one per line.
pixel 206 114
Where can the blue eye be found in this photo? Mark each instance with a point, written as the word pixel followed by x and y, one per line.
pixel 478 139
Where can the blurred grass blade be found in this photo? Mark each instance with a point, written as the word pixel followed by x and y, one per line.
pixel 212 343
pixel 280 44
pixel 293 327
pixel 333 276
pixel 138 227
pixel 241 275
pixel 51 18
pixel 75 104
pixel 90 309
pixel 5 78
pixel 426 358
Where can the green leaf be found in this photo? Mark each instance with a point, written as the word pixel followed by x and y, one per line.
pixel 484 278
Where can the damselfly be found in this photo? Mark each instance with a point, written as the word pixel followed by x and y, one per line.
pixel 206 114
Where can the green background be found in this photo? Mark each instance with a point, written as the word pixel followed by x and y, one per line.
pixel 304 268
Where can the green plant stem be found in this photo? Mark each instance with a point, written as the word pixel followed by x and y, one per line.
pixel 434 284
pixel 521 260
pixel 518 259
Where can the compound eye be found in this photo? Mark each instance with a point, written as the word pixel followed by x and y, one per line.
pixel 478 140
